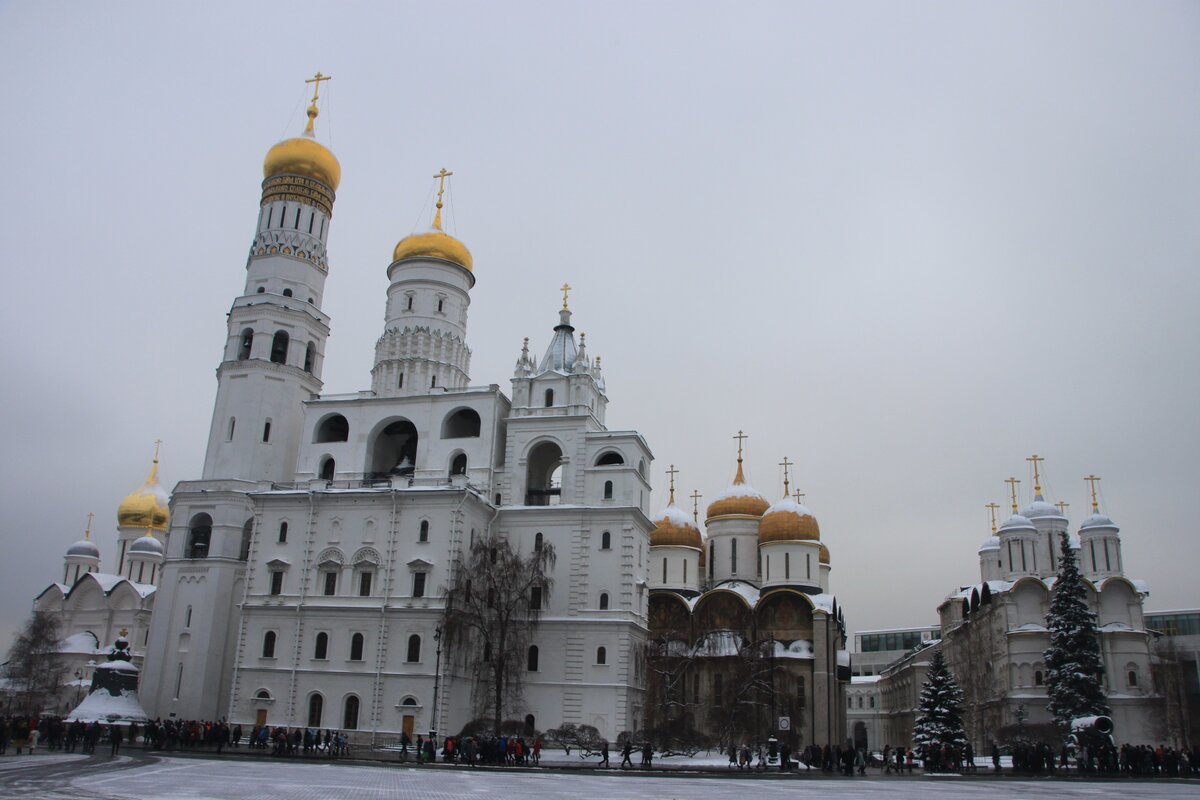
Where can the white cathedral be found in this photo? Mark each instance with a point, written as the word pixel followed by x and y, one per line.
pixel 305 570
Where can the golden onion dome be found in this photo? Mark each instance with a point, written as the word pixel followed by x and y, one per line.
pixel 305 156
pixel 824 555
pixel 738 499
pixel 434 244
pixel 788 521
pixel 674 528
pixel 146 506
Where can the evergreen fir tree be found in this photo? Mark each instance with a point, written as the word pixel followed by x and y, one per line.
pixel 940 724
pixel 1073 665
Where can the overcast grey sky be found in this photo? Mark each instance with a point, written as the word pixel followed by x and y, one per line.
pixel 904 244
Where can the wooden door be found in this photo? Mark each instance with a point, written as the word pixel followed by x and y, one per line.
pixel 260 717
pixel 409 724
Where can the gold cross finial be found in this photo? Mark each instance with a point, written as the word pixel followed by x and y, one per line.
pixel 157 445
pixel 1012 487
pixel 124 632
pixel 799 495
pixel 696 506
pixel 1062 507
pixel 315 80
pixel 787 485
pixel 1037 480
pixel 740 478
pixel 741 437
pixel 441 179
pixel 565 289
pixel 672 472
pixel 1091 479
pixel 87 532
pixel 992 508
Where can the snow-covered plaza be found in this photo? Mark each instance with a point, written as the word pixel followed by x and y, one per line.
pixel 52 777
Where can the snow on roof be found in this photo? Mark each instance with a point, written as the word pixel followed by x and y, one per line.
pixel 735 490
pixel 1030 627
pixel 107 582
pixel 748 592
pixel 675 516
pixel 801 648
pixel 1115 626
pixel 118 666
pixel 843 658
pixel 823 602
pixel 788 504
pixel 83 642
pixel 864 679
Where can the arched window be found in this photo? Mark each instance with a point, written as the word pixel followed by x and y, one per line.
pixel 279 347
pixel 288 292
pixel 549 397
pixel 261 289
pixel 610 459
pixel 423 534
pixel 321 648
pixel 283 526
pixel 414 649
pixel 356 647
pixel 544 465
pixel 327 468
pixel 606 541
pixel 350 718
pixel 608 490
pixel 394 449
pixel 531 661
pixel 461 424
pixel 458 466
pixel 316 704
pixel 268 650
pixel 1038 678
pixel 530 727
pixel 333 428
pixel 1133 678
pixel 247 534
pixel 601 655
pixel 267 431
pixel 246 343
pixel 604 601
pixel 199 534
pixel 310 356
pixel 537 542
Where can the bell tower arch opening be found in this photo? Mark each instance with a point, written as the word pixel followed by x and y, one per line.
pixel 393 450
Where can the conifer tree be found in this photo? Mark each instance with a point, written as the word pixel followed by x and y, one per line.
pixel 1073 665
pixel 940 723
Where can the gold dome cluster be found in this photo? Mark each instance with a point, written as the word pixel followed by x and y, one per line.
pixel 146 506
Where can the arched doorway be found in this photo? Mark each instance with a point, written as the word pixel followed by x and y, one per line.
pixel 543 475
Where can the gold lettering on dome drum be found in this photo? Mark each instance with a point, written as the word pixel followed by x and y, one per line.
pixel 299 189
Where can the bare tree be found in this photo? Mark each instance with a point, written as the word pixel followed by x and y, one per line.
pixel 35 666
pixel 493 606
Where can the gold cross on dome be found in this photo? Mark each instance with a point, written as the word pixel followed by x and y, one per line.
pixel 87 532
pixel 441 179
pixel 315 80
pixel 157 445
pixel 1091 479
pixel 1037 481
pixel 565 289
pixel 672 472
pixel 696 505
pixel 992 508
pixel 1062 507
pixel 741 437
pixel 786 482
pixel 799 495
pixel 1012 487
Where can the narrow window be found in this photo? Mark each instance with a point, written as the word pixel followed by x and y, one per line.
pixel 601 656
pixel 787 566
pixel 187 622
pixel 549 397
pixel 232 425
pixel 498 499
pixel 277 582
pixel 356 647
pixel 350 718
pixel 1107 560
pixel 311 219
pixel 297 225
pixel 316 705
pixel 178 680
pixel 322 231
pixel 141 570
pixel 364 584
pixel 1038 678
pixel 531 661
pixel 287 292
pixel 414 649
pixel 268 650
pixel 321 649
pixel 400 382
pixel 664 580
pixel 283 532
pixel 327 468
pixel 330 587
pixel 1024 565
pixel 608 490
pixel 808 565
pixel 267 431
pixel 458 466
pixel 606 541
pixel 310 357
pixel 433 382
pixel 604 601
pixel 270 213
pixel 1133 679
pixel 535 598
pixel 441 305
pixel 418 584
pixel 768 568
pixel 733 557
pixel 410 302
pixel 685 570
pixel 537 542
pixel 712 558
pixel 423 536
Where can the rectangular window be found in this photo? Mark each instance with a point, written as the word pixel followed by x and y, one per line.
pixel 418 584
pixel 267 431
pixel 276 582
pixel 178 680
pixel 808 565
pixel 364 584
pixel 685 570
pixel 330 587
pixel 733 557
pixel 664 570
pixel 787 566
pixel 535 597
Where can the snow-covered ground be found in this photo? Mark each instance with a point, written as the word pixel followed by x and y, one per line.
pixel 205 779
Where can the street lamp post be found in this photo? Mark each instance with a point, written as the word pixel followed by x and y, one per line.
pixel 78 685
pixel 437 674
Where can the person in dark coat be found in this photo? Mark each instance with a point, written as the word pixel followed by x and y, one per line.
pixel 626 751
pixel 115 736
